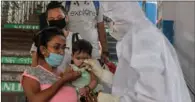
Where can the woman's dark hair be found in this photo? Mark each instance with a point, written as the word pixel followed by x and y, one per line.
pixel 54 4
pixel 82 46
pixel 44 36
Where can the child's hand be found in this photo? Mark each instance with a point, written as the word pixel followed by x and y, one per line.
pixel 68 70
pixel 83 91
pixel 71 76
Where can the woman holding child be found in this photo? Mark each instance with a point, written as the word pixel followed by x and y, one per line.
pixel 43 84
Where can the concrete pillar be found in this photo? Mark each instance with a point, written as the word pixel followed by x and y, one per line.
pixel 182 13
pixel 184 40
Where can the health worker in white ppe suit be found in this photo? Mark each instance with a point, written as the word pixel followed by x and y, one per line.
pixel 148 69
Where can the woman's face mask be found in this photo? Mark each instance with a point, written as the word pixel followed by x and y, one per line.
pixel 54 59
pixel 54 53
pixel 58 23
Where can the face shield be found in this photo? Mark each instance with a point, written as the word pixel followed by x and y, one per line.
pixel 123 16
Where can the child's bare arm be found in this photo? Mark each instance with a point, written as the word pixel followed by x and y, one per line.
pixel 93 81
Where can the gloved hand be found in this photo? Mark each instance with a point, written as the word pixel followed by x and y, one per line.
pixel 104 75
pixel 95 67
pixel 103 97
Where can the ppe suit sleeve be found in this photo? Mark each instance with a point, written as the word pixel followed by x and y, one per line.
pixel 146 60
pixel 106 77
pixel 148 88
pixel 104 97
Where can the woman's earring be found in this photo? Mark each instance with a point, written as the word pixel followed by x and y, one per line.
pixel 45 53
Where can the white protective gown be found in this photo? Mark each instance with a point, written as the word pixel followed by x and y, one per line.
pixel 148 69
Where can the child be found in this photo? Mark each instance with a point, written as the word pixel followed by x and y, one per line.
pixel 82 50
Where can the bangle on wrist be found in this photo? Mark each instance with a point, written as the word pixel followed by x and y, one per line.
pixel 88 88
pixel 77 90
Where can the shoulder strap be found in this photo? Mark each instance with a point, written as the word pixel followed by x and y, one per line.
pixel 32 72
pixel 97 6
pixel 75 37
pixel 67 6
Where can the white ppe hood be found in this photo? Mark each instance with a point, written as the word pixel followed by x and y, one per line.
pixel 148 69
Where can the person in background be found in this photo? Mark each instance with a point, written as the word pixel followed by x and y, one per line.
pixel 86 17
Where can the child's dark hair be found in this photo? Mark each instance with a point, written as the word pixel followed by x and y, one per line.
pixel 82 46
pixel 44 36
pixel 54 4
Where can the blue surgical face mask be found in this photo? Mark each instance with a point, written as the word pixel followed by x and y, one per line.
pixel 54 59
pixel 58 23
